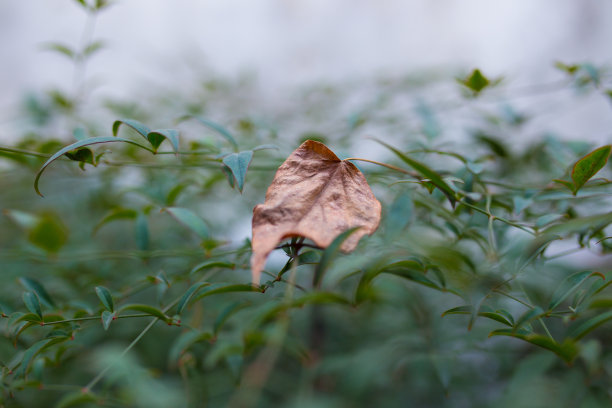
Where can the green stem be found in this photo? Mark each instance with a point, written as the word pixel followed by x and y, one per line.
pixel 80 319
pixel 102 373
pixel 539 318
pixel 495 217
pixel 513 298
pixel 389 166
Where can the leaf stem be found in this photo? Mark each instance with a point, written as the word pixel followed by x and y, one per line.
pixel 80 319
pixel 389 166
pixel 495 217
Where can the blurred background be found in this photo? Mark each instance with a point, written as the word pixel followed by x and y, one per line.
pixel 286 43
pixel 473 80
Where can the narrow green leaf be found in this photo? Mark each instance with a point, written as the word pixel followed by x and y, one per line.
pixel 215 290
pixel 589 165
pixel 499 315
pixel 76 398
pixel 329 254
pixel 31 301
pixel 62 49
pixel 174 193
pixel 567 184
pixel 582 329
pixel 92 48
pixel 39 289
pixel 156 138
pixel 140 128
pixel 184 341
pixel 547 219
pixel 239 163
pixel 407 270
pixel 107 318
pixel 189 219
pixel 425 171
pixel 320 298
pixel 27 317
pixel 153 311
pixel 569 286
pixel 528 316
pixel 265 147
pixel 188 295
pixel 77 145
pixel 212 264
pixel 214 126
pixel 228 312
pixel 566 350
pixel 142 232
pixel 31 352
pixel 580 225
pixel 106 298
pixel 116 214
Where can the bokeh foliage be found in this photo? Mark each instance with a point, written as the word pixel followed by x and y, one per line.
pixel 128 284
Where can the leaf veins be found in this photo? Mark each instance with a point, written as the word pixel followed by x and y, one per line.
pixel 316 195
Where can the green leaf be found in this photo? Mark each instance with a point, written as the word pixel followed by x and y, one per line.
pixel 92 48
pixel 500 316
pixel 215 290
pixel 188 295
pixel 265 147
pixel 548 219
pixel 184 341
pixel 567 184
pixel 569 286
pixel 589 165
pixel 407 270
pixel 156 138
pixel 31 301
pixel 84 155
pixel 214 126
pixel 62 49
pixel 320 298
pixel 239 163
pixel 142 232
pixel 570 69
pixel 153 311
pixel 582 329
pixel 212 264
pixel 189 219
pixel 76 398
pixel 228 312
pixel 107 318
pixel 49 233
pixel 31 352
pixel 77 145
pixel 476 81
pixel 580 225
pixel 425 171
pixel 140 128
pixel 528 316
pixel 566 350
pixel 329 254
pixel 39 289
pixel 106 298
pixel 27 317
pixel 116 214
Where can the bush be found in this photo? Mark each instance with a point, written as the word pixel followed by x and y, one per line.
pixel 129 284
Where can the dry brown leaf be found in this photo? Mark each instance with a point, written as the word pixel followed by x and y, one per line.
pixel 315 195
